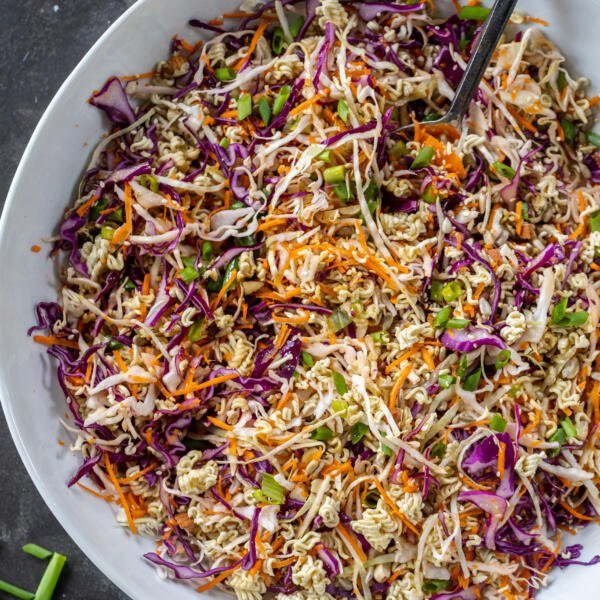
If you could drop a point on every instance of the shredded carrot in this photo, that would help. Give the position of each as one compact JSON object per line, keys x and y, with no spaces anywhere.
{"x":537,"y":20}
{"x":577,"y":232}
{"x":123,"y":232}
{"x":139,"y":474}
{"x":119,"y":360}
{"x":271,"y":223}
{"x":220,"y":424}
{"x":401,"y":358}
{"x":279,"y":564}
{"x":519,"y":217}
{"x":399,"y":383}
{"x":394,"y":508}
{"x":254,"y":42}
{"x":81,"y":210}
{"x":304,"y":105}
{"x":224,"y":289}
{"x":217,"y":579}
{"x":594,"y":100}
{"x":138,"y":76}
{"x":352,"y":542}
{"x":52,"y":340}
{"x":200,"y":386}
{"x":85,"y":488}
{"x":522,"y":121}
{"x":111,"y":475}
{"x":237,"y":15}
{"x":501,"y":459}
{"x":576,"y":513}
{"x":428,"y":358}
{"x":35,"y":248}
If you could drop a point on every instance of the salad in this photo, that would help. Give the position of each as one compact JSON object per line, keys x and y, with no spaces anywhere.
{"x":313,"y":357}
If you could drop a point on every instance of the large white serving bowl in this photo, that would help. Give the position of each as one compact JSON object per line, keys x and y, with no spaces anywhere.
{"x":43,"y":188}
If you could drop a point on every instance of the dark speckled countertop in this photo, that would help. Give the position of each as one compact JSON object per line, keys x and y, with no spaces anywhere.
{"x":41,"y":43}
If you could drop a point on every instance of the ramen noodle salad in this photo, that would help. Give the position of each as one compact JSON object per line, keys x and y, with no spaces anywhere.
{"x":314,"y":358}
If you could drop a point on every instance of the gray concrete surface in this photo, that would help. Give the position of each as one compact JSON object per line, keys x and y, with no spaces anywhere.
{"x":41,"y":42}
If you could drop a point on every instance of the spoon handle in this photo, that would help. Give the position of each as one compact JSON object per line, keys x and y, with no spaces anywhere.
{"x":480,"y":58}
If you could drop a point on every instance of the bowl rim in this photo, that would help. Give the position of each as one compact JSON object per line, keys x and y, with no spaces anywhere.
{"x":67,"y":521}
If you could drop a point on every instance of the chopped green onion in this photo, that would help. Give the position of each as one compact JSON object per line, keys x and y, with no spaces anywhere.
{"x":245,"y":241}
{"x":15,"y":591}
{"x":96,"y":209}
{"x":322,"y":434}
{"x":431,"y":117}
{"x":271,"y":489}
{"x":372,"y":191}
{"x":423,"y":158}
{"x":452,"y":291}
{"x":435,"y":290}
{"x":340,"y":383}
{"x":117,"y":215}
{"x":264,"y":110}
{"x":498,"y":423}
{"x":472,"y":381}
{"x":278,"y":40}
{"x":225,"y":74}
{"x":296,"y":26}
{"x":371,"y":498}
{"x":593,"y":138}
{"x":244,"y":106}
{"x":502,"y":359}
{"x":112,"y":345}
{"x":568,"y":427}
{"x":595,"y":221}
{"x":189,"y":261}
{"x":307,"y":360}
{"x":358,"y":432}
{"x":438,"y":450}
{"x":442,"y":317}
{"x":188,"y":274}
{"x":372,"y":206}
{"x":560,"y":437}
{"x":214,"y":285}
{"x":430,"y":586}
{"x":504,"y":170}
{"x":575,"y":319}
{"x":430,"y":195}
{"x":237,"y":204}
{"x":107,"y":233}
{"x":281,"y":99}
{"x":338,"y":406}
{"x":457,"y":323}
{"x":561,"y":81}
{"x":338,"y":320}
{"x":224,"y":143}
{"x":231,"y":267}
{"x":446,"y":380}
{"x":559,"y":311}
{"x":399,"y":150}
{"x":334,"y":174}
{"x":149,"y":181}
{"x":130,"y":285}
{"x":47,"y":584}
{"x":379,"y":337}
{"x":207,"y":250}
{"x":463,"y":365}
{"x":342,"y":192}
{"x":196,"y":331}
{"x":569,"y":130}
{"x":473,"y":13}
{"x":387,"y":451}
{"x":37,"y":551}
{"x":325,"y":156}
{"x":463,"y":43}
{"x":342,"y":110}
{"x":525,"y":211}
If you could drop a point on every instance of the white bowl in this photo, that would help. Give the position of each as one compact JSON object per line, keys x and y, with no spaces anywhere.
{"x":42,"y":189}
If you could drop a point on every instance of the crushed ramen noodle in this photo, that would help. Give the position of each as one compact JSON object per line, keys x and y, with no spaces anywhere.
{"x":315,"y":358}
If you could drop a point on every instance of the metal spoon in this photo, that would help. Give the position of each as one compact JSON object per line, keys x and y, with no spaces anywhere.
{"x":480,"y":58}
